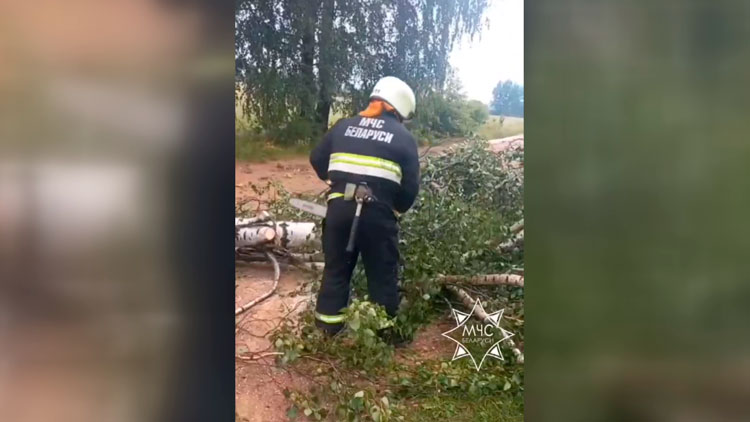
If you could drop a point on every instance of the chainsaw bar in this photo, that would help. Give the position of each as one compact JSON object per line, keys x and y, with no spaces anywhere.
{"x":308,"y":206}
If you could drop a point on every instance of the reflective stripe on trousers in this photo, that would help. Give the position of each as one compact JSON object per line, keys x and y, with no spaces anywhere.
{"x":330,"y":319}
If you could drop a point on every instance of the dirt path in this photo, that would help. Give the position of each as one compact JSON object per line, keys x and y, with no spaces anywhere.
{"x":295,"y":174}
{"x":503,"y":144}
{"x":260,"y":384}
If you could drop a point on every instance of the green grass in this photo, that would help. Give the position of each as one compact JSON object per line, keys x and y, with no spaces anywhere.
{"x":499,"y":127}
{"x":253,"y":148}
{"x":486,"y":409}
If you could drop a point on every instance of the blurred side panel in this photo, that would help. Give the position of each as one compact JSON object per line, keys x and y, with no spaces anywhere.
{"x":638,"y":199}
{"x":116,"y":206}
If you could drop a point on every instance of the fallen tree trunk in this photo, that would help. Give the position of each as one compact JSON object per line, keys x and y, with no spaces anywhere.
{"x":294,"y":234}
{"x":480,"y":313}
{"x":309,"y":257}
{"x":512,"y":244}
{"x":287,"y":234}
{"x":517,"y":227}
{"x":254,"y":236}
{"x":484,"y":280}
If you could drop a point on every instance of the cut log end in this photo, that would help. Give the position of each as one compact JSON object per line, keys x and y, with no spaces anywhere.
{"x":268,"y":233}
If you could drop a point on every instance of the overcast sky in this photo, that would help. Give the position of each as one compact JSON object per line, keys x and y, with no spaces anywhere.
{"x":497,"y":55}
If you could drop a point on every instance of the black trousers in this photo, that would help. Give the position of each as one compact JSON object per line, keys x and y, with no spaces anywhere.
{"x":377,"y":242}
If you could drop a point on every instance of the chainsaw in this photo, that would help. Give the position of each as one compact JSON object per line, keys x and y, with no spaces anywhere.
{"x":360,"y":193}
{"x":308,"y":206}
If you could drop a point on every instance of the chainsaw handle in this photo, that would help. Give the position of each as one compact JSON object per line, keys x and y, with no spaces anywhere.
{"x":353,"y":232}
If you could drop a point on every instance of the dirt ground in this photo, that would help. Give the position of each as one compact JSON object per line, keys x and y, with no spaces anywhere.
{"x":260,"y":383}
{"x":429,"y":343}
{"x":503,"y":144}
{"x":295,"y":174}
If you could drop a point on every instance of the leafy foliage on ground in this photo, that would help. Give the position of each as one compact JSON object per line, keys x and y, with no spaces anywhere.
{"x":467,"y":202}
{"x":469,"y":198}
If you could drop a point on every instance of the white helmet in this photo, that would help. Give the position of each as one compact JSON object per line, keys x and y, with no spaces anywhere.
{"x":396,"y":93}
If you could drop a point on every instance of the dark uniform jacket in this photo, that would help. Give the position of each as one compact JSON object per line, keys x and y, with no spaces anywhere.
{"x":377,"y":150}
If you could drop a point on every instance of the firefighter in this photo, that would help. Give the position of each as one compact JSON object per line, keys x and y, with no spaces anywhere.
{"x":373,"y":148}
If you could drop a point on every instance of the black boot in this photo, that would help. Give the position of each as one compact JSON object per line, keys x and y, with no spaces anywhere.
{"x":392,"y":337}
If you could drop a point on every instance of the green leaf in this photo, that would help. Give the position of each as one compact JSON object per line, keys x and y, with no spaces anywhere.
{"x":357,"y":403}
{"x":354,"y":323}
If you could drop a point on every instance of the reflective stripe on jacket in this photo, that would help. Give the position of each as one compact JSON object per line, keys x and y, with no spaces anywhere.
{"x":377,"y":150}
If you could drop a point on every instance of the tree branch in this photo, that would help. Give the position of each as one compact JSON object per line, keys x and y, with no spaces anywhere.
{"x":484,"y":280}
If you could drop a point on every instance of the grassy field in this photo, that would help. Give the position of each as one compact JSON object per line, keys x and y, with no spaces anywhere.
{"x":252,"y":147}
{"x":485,"y":409}
{"x":499,"y":127}
{"x":249,"y":147}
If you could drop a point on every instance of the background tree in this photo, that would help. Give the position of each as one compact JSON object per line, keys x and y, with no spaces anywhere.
{"x":298,"y":59}
{"x":478,"y":111}
{"x":507,"y":99}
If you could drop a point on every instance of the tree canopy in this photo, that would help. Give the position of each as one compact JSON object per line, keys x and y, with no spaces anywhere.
{"x":297,"y":59}
{"x":507,"y":99}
